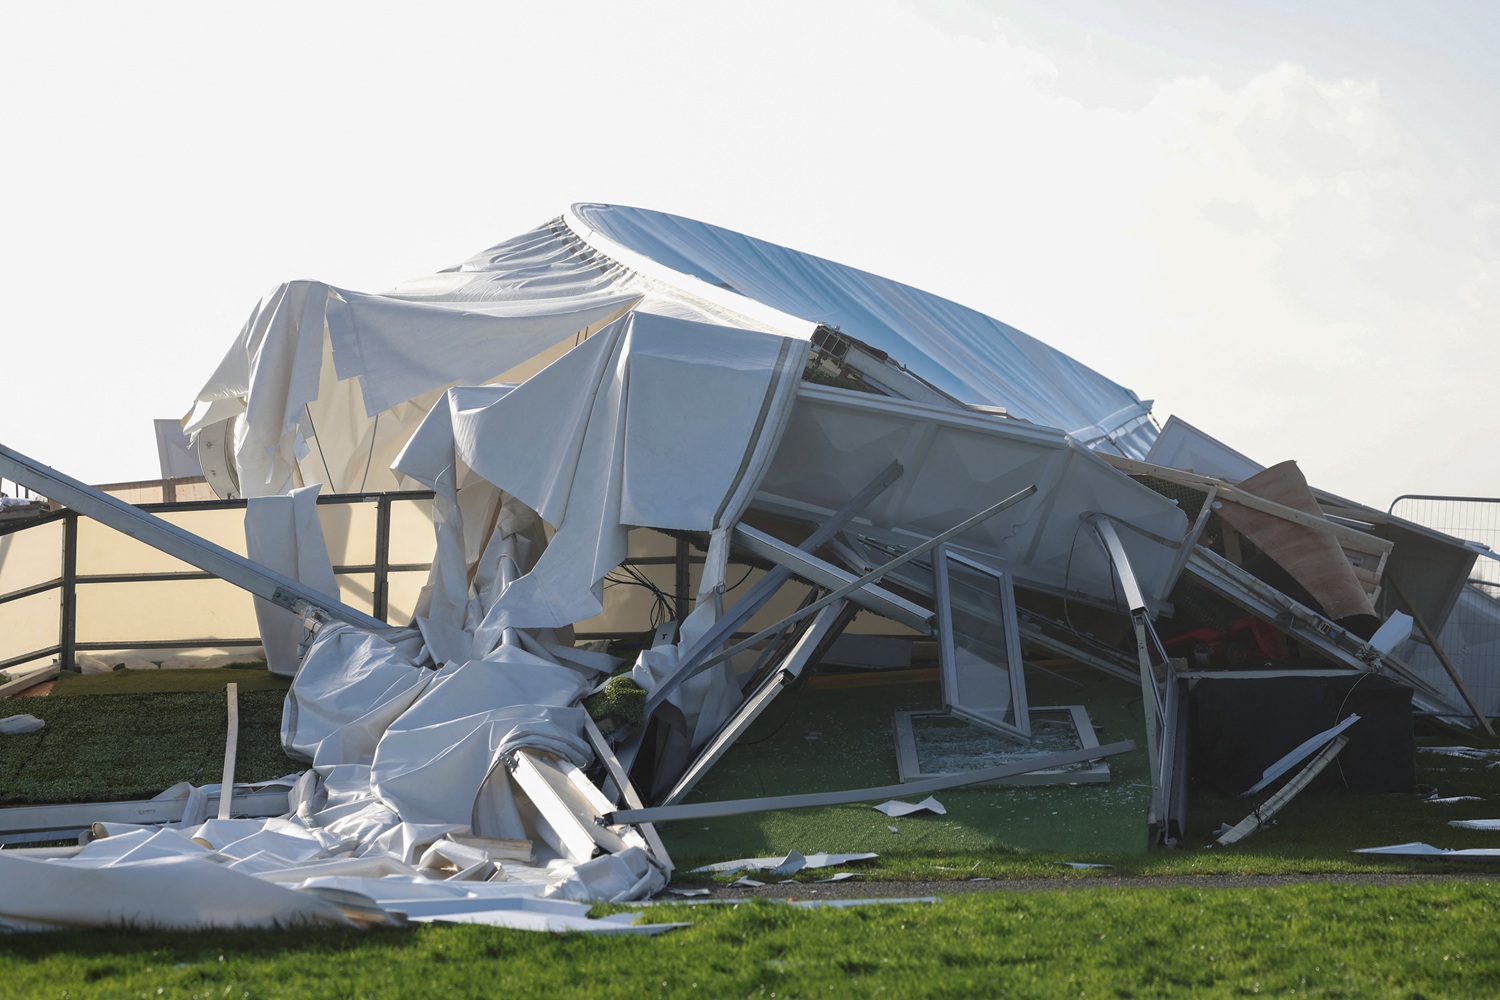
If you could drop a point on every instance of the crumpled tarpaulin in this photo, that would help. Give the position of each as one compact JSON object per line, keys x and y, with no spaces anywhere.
{"x":325,"y":384}
{"x":315,"y":362}
{"x":436,"y":749}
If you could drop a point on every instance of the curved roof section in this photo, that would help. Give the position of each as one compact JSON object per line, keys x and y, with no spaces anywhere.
{"x":967,"y":354}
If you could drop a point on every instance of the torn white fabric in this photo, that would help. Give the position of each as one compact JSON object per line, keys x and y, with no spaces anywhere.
{"x":896,"y":808}
{"x":15,"y":725}
{"x":962,"y":352}
{"x":317,"y":367}
{"x":182,"y":889}
{"x":653,"y":422}
{"x":352,"y":686}
{"x":433,"y":761}
{"x":284,"y":534}
{"x":794,"y":861}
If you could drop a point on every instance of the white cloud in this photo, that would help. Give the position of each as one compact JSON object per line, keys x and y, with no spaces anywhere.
{"x":1276,"y":256}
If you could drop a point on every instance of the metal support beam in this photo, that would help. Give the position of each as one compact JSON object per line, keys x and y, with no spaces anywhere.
{"x":830,"y":577}
{"x":878,"y":573}
{"x":1152,"y":703}
{"x":765,"y":588}
{"x":75,"y":816}
{"x":382,"y":590}
{"x":682,"y":586}
{"x":735,"y":807}
{"x":1299,"y":621}
{"x":1442,"y":655}
{"x":67,"y":599}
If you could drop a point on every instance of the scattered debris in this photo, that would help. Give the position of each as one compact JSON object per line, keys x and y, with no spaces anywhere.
{"x":1260,"y":817}
{"x":896,"y":809}
{"x":1420,"y":850}
{"x":17,"y":724}
{"x":1299,"y":753}
{"x":616,"y":378}
{"x":794,"y":862}
{"x":1475,"y":824}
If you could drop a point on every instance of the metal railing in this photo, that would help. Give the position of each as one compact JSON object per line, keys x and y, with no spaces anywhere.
{"x":56,"y":574}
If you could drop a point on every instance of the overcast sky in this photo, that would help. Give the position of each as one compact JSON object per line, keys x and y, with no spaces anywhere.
{"x":1280,"y":220}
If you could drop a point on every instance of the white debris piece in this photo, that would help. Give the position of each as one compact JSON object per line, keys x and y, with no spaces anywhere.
{"x":15,"y":725}
{"x":1417,"y":849}
{"x":896,"y":808}
{"x":794,"y":861}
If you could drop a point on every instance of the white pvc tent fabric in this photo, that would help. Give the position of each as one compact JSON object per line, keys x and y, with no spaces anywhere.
{"x":671,"y":398}
{"x":972,"y":357}
{"x":654,"y":422}
{"x":318,"y":369}
{"x":409,"y":733}
{"x":325,"y":384}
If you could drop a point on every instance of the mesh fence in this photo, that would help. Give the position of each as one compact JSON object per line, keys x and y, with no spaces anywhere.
{"x":1471,"y":635}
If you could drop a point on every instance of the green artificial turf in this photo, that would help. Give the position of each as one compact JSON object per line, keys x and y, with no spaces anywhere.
{"x":249,"y":677}
{"x":1429,"y":940}
{"x":110,"y":747}
{"x":100,"y":747}
{"x":829,"y":740}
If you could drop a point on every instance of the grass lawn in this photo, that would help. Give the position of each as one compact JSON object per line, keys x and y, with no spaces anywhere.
{"x":101,"y":743}
{"x":1430,"y":940}
{"x":132,"y":733}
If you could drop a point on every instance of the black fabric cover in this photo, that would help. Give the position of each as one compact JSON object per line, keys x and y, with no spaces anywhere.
{"x":1238,"y":728}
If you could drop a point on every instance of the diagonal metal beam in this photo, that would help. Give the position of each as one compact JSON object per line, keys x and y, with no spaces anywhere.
{"x":666,"y":687}
{"x":765,"y":588}
{"x":735,"y":807}
{"x":876,"y":574}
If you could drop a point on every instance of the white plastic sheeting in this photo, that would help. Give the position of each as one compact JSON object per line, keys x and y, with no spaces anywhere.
{"x":654,"y":422}
{"x":325,"y":384}
{"x":965,"y":353}
{"x":317,"y":367}
{"x":281,"y":873}
{"x":283,"y":533}
{"x":468,"y":726}
{"x":410,"y":783}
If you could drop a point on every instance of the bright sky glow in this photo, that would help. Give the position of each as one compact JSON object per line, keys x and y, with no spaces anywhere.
{"x":1279,"y":220}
